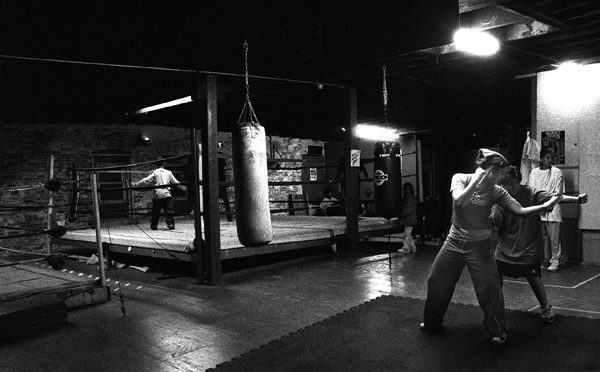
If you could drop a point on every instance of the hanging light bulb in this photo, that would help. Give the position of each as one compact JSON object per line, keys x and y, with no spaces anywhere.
{"x":476,"y":42}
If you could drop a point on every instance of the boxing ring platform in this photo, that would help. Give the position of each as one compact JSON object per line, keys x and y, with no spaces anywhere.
{"x":289,"y":233}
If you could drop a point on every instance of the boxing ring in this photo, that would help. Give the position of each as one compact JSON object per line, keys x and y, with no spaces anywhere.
{"x":85,"y":213}
{"x":207,"y":234}
{"x":289,"y":233}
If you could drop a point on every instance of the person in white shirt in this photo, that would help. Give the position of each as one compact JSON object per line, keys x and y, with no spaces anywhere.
{"x":549,"y":178}
{"x":161,"y":198}
{"x":328,"y":202}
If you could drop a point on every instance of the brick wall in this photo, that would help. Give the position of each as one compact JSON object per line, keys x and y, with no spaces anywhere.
{"x":25,"y":152}
{"x":282,"y":148}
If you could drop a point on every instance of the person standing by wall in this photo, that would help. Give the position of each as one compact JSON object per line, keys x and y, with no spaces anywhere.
{"x":161,"y":198}
{"x":468,"y":244}
{"x":408,"y":217}
{"x":520,"y":247}
{"x":549,"y":178}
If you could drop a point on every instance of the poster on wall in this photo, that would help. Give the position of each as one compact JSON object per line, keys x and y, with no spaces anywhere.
{"x":355,"y":158}
{"x":555,"y":140}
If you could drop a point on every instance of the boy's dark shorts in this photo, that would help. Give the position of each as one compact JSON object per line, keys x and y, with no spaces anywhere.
{"x":519,"y":271}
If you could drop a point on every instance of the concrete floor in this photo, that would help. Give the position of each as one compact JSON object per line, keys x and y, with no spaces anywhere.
{"x":176,"y":325}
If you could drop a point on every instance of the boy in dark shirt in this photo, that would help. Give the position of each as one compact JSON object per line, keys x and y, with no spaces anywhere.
{"x":520,"y":248}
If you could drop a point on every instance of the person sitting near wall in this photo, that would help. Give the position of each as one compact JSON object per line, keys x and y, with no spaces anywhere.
{"x":161,"y":198}
{"x":329,"y":205}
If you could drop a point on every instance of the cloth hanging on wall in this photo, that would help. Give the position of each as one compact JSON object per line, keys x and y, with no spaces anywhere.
{"x":530,"y":158}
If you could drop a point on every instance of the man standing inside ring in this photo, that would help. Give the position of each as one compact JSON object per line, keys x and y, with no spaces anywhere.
{"x":161,"y":198}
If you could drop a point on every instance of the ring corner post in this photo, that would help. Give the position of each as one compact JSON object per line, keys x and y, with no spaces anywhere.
{"x":210,"y":186}
{"x":195,"y":191}
{"x":96,"y":201}
{"x":352,"y":186}
{"x":50,"y":204}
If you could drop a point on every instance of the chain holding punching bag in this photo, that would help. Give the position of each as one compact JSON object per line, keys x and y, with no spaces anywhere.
{"x":250,"y":177}
{"x":388,"y":179}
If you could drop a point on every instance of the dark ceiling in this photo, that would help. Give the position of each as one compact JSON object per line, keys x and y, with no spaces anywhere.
{"x":95,"y":62}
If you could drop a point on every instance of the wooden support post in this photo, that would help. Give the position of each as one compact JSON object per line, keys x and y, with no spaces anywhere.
{"x":210,"y":176}
{"x":195,"y":192}
{"x":75,"y":195}
{"x":291,"y":206}
{"x":96,"y":201}
{"x":50,"y":202}
{"x":306,"y":205}
{"x":351,"y":173}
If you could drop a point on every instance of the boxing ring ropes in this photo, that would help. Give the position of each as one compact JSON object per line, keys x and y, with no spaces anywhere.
{"x":29,"y":293}
{"x":291,"y":230}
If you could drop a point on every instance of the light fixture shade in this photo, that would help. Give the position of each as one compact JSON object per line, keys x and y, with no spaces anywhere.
{"x":476,"y":42}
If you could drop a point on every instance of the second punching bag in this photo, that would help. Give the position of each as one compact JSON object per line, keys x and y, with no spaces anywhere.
{"x":251,"y":181}
{"x":388,"y":179}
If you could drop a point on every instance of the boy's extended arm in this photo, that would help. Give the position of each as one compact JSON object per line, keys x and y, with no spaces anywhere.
{"x":580,"y":199}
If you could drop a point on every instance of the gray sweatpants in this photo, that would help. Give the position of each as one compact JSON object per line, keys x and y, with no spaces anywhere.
{"x":446,"y":271}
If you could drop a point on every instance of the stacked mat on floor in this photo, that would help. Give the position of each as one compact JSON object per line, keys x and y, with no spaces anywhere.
{"x":31,"y":314}
{"x":383,"y":335}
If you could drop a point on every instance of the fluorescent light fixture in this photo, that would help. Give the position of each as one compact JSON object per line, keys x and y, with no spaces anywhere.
{"x":374,"y":132}
{"x":175,"y":102}
{"x":476,"y":42}
{"x":567,"y":66}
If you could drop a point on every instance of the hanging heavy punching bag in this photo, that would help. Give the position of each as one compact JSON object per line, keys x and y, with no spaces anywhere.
{"x":388,"y":179}
{"x":250,"y":178}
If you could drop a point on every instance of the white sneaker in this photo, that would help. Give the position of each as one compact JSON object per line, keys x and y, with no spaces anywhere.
{"x":411,"y":245}
{"x":553,"y":268}
{"x":404,"y":250}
